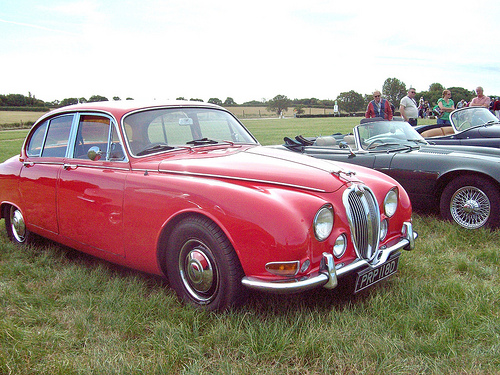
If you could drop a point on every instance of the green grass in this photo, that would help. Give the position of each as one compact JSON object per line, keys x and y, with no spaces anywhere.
{"x":11,"y":142}
{"x":63,"y":312}
{"x":272,"y":130}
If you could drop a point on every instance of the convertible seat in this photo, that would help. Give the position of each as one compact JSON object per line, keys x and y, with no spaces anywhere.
{"x":437,"y":132}
{"x":350,"y":140}
{"x":325,"y":141}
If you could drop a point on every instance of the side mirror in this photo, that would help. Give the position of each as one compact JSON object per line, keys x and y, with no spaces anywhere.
{"x":344,"y":144}
{"x":94,"y":153}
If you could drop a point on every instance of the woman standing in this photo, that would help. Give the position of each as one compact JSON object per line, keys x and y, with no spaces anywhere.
{"x":446,"y":105}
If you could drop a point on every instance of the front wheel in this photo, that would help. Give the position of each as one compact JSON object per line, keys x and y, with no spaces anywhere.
{"x":16,"y":227}
{"x":202,"y":266}
{"x":472,"y":202}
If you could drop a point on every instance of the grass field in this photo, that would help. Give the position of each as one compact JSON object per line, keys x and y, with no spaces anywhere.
{"x":19,"y":117}
{"x":62,"y":312}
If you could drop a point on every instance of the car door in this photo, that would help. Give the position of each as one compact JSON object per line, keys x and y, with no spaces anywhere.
{"x":485,"y":136}
{"x":46,"y":151}
{"x":90,"y":192}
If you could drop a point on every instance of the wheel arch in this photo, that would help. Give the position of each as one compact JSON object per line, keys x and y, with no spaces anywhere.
{"x":445,"y":179}
{"x":4,"y":206}
{"x":161,"y":246}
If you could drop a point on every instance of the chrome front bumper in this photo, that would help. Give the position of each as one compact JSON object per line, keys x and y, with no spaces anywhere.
{"x":328,"y":274}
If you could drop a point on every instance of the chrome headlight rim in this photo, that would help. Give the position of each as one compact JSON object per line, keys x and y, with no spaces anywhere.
{"x":323,"y":222}
{"x":340,"y":246}
{"x":391,"y":202}
{"x":384,"y":229}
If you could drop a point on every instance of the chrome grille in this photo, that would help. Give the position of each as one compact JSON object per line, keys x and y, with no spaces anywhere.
{"x":364,"y":220}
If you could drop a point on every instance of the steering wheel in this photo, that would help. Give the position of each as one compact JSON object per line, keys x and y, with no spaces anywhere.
{"x":464,"y":125}
{"x":371,"y":144}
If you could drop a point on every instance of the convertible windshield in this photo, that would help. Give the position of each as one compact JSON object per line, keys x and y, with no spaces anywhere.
{"x":387,"y":135}
{"x":166,"y":129}
{"x":470,"y":117}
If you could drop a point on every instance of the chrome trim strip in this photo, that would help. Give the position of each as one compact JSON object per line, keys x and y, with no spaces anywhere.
{"x":97,"y":167}
{"x":242,"y":179}
{"x":32,"y":163}
{"x":327,"y":277}
{"x":76,"y":165}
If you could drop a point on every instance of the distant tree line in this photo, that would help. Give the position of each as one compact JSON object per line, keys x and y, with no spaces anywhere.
{"x":352,"y":102}
{"x":349,"y":102}
{"x":18,"y":100}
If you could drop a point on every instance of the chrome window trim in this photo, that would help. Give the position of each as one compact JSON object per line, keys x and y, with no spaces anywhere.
{"x":112,"y":122}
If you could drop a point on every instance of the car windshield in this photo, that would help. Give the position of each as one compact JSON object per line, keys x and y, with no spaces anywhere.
{"x":470,"y":117}
{"x":165,"y":129}
{"x":387,"y":135}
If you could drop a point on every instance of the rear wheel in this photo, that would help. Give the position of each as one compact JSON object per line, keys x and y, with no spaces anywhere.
{"x":202,"y":266}
{"x":472,"y":202}
{"x":16,"y":226}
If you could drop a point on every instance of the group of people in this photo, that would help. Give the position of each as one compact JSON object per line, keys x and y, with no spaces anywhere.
{"x":409,"y":108}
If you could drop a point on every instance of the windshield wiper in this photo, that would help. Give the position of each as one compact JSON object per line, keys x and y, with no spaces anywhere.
{"x":418,"y":141}
{"x":155,"y":147}
{"x":206,"y":141}
{"x":492,"y":122}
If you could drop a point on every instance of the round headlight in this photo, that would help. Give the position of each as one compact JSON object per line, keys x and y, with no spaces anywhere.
{"x":391,"y":202}
{"x":340,"y":246}
{"x":323,"y":222}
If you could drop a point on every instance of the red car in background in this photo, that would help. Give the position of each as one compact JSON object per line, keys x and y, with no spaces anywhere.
{"x":183,"y":190}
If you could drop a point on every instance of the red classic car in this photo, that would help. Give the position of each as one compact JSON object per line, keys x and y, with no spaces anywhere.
{"x":184,"y":190}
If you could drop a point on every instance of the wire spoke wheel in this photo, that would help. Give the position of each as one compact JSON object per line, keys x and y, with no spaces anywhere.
{"x":470,"y":207}
{"x":472,"y":202}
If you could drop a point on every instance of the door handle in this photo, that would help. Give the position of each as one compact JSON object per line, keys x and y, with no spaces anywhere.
{"x":69,"y":166}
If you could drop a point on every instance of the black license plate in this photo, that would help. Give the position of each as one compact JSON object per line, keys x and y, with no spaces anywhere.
{"x":371,"y":276}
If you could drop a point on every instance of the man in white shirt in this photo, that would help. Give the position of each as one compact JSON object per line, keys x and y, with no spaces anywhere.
{"x":409,"y":108}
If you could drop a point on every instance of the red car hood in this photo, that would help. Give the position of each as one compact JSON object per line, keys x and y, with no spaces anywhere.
{"x":261,"y":164}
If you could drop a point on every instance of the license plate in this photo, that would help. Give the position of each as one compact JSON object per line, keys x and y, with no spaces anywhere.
{"x":371,"y":276}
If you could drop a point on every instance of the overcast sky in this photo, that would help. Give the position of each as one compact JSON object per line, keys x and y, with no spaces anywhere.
{"x":247,"y":50}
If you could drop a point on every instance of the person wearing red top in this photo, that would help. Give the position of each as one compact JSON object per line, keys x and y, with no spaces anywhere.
{"x":496,"y":108}
{"x":379,"y":107}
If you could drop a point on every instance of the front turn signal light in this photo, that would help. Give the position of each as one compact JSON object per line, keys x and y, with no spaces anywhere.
{"x":283,"y":268}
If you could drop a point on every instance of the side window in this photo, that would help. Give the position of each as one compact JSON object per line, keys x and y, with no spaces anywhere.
{"x":36,"y":141}
{"x":116,"y":152}
{"x":94,"y":131}
{"x":56,"y":141}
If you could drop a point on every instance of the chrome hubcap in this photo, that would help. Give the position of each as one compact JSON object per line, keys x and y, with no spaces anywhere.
{"x":17,"y":224}
{"x":470,"y":207}
{"x":198,"y":271}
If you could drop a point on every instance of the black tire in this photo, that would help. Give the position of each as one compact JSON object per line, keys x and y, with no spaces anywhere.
{"x":472,"y":202}
{"x":16,"y":227}
{"x":202,"y":266}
